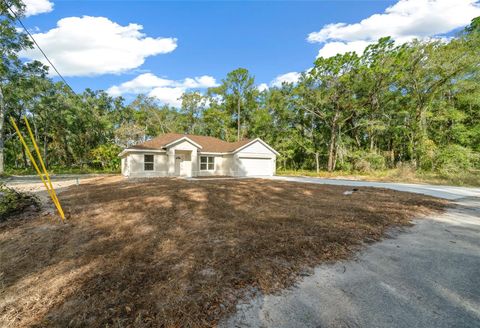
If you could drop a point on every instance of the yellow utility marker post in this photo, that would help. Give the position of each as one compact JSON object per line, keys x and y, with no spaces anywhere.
{"x":49,"y":186}
{"x":43,"y":165}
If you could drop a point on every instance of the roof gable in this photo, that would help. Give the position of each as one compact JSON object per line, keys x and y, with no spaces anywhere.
{"x":187,"y":139}
{"x":253,"y":142}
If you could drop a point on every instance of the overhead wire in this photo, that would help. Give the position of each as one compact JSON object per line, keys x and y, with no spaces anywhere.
{"x":38,"y":46}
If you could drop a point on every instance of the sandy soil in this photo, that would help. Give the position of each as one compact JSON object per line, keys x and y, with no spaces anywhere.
{"x":33,"y":185}
{"x":178,"y":253}
{"x":427,"y":277}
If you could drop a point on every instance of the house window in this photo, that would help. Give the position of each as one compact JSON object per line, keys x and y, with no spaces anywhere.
{"x":148,"y":162}
{"x":207,"y":163}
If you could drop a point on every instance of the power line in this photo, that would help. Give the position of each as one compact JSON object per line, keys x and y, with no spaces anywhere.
{"x":41,"y":50}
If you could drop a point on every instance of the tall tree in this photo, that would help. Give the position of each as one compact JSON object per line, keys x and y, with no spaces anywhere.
{"x":327,"y":94}
{"x":193,"y":105}
{"x":238,"y":91}
{"x":429,"y":70}
{"x":11,"y":42}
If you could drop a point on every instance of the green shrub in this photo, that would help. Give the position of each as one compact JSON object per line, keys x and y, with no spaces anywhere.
{"x":476,"y":160}
{"x":12,"y":202}
{"x":105,"y":157}
{"x":428,"y":153}
{"x":367,"y":161}
{"x":454,"y":159}
{"x":404,"y":170}
{"x":344,"y":166}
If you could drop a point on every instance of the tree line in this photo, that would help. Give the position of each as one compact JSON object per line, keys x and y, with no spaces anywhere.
{"x":414,"y":104}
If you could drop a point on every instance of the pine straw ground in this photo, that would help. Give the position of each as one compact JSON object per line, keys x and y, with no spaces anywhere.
{"x":176,"y":253}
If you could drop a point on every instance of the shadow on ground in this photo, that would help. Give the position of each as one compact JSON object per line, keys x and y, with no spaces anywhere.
{"x":173,"y":252}
{"x":427,"y":277}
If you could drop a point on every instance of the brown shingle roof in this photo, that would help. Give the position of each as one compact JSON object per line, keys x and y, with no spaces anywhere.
{"x":209,"y":144}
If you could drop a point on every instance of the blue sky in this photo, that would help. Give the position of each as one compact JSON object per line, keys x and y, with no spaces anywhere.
{"x":193,"y":44}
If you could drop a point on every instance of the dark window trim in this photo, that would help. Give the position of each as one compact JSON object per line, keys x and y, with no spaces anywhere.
{"x":145,"y":163}
{"x":210,"y":161}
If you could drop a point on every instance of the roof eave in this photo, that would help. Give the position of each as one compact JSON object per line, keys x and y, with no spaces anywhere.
{"x":135,"y":150}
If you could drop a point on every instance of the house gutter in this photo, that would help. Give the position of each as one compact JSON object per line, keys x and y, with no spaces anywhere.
{"x":126,"y":151}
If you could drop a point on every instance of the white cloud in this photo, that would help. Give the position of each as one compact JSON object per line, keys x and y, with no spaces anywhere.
{"x":35,"y":7}
{"x":204,"y":81}
{"x":262,"y":87}
{"x":291,"y":77}
{"x":165,"y":90}
{"x":141,"y":84}
{"x":87,"y":46}
{"x":404,"y":21}
{"x":330,"y":49}
{"x":170,"y":96}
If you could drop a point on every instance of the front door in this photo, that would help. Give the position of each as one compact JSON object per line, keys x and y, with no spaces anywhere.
{"x":179,"y":164}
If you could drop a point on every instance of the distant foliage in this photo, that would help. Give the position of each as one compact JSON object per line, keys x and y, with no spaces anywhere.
{"x":367,"y":161}
{"x":415,"y":105}
{"x":106,"y":157}
{"x":455,"y":159}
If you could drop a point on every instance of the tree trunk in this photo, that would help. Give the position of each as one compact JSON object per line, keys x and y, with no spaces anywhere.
{"x":333,"y":144}
{"x":45,"y":151}
{"x":392,"y":153}
{"x":317,"y":162}
{"x":2,"y":129}
{"x":357,"y":140}
{"x":35,"y":128}
{"x":238,"y":119}
{"x":420,"y":136}
{"x":335,"y":157}
{"x":68,"y":155}
{"x":331,"y":151}
{"x":24,"y":156}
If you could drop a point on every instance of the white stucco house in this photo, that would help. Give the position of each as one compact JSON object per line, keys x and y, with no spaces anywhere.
{"x":187,"y":155}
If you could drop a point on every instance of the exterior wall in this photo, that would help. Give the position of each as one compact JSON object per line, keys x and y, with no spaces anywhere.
{"x":164,"y":163}
{"x":136,"y":168}
{"x":223,"y":165}
{"x":229,"y":165}
{"x":124,"y":166}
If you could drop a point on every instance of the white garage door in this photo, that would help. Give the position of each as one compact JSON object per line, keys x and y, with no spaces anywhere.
{"x":255,"y":166}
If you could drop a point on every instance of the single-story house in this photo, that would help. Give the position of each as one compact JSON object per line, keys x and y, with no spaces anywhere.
{"x":188,"y":155}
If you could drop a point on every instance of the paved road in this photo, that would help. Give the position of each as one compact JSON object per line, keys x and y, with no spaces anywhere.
{"x":428,"y":276}
{"x":447,"y":192}
{"x":26,"y":179}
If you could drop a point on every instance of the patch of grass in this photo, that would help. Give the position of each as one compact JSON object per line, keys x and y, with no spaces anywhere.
{"x":166,"y":252}
{"x":470,"y":178}
{"x":13,"y":202}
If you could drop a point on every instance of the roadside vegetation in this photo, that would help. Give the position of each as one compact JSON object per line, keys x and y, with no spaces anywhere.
{"x":405,"y":175}
{"x":415,"y":105}
{"x":166,"y":252}
{"x":13,"y":202}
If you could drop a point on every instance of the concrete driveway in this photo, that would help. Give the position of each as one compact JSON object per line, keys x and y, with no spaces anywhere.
{"x":424,"y":276}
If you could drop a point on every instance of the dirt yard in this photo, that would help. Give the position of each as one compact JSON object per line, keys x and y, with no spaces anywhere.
{"x":178,"y":253}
